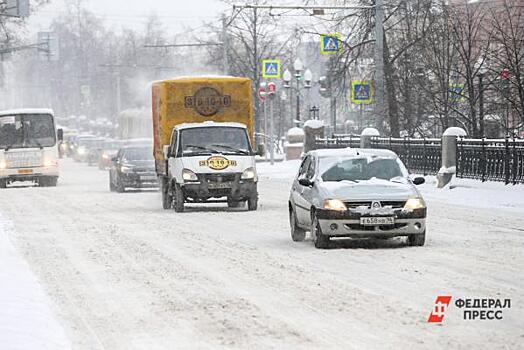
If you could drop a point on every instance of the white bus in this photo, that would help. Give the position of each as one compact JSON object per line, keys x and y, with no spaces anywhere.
{"x":28,"y":147}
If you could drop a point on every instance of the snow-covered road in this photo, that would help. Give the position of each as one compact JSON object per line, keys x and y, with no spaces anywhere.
{"x":125,"y":274}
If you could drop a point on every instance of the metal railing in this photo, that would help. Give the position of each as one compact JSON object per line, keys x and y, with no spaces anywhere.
{"x":491,"y":159}
{"x":338,"y":141}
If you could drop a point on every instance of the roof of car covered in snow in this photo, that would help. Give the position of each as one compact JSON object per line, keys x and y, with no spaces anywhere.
{"x":27,"y":111}
{"x":352,"y":152}
{"x":209,"y":124}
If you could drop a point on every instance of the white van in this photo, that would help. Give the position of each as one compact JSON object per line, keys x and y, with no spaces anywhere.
{"x":28,"y":147}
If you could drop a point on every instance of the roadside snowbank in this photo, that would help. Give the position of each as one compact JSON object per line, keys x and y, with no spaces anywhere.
{"x":26,"y":320}
{"x":462,"y":192}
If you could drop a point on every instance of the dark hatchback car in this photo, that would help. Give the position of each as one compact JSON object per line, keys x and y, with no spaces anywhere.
{"x":132,"y":167}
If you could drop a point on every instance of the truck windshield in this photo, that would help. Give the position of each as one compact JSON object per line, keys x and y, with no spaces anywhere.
{"x":27,"y":130}
{"x":230,"y":140}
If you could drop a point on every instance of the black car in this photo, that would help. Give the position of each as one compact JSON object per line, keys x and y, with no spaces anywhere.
{"x":133,"y":167}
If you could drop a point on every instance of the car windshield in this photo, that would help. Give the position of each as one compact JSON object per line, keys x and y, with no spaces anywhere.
{"x":214,"y":139}
{"x":138,"y":153}
{"x":361,"y":168}
{"x":27,"y":130}
{"x":90,"y":143}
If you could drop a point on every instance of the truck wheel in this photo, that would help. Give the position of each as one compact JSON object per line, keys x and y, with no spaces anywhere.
{"x":167,"y":198}
{"x":417,"y":240}
{"x":233,"y":204}
{"x":297,"y":234}
{"x":3,"y":183}
{"x":320,"y":240}
{"x":178,"y":199}
{"x":252,"y":203}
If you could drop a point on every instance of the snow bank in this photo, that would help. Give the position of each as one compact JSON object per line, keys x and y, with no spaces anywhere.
{"x":455,"y":131}
{"x":26,"y":320}
{"x":476,"y":194}
{"x":314,"y":124}
{"x":282,"y":170}
{"x":462,"y":192}
{"x":295,"y":132}
{"x":370,"y":132}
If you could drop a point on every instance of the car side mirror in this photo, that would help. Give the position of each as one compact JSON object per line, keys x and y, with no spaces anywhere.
{"x":305,"y":182}
{"x":60,"y":134}
{"x":419,"y":180}
{"x":261,"y":150}
{"x":114,"y":159}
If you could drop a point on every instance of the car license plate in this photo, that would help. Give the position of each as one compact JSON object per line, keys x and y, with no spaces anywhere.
{"x":218,"y":185}
{"x":148,"y":178}
{"x":25,"y":171}
{"x":372,"y":221}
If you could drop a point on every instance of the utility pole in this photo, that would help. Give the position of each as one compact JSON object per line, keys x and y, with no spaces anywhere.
{"x":379,"y":65}
{"x":225,"y":45}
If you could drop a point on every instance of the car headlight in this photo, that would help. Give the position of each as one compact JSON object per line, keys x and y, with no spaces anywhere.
{"x":334,"y":204}
{"x":414,"y":203}
{"x":105,"y":156}
{"x":249,"y":174}
{"x":81,"y":151}
{"x":189,"y":175}
{"x":49,"y":163}
{"x":126,"y":169}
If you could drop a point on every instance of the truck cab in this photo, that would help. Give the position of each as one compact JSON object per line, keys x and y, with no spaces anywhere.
{"x":28,"y":147}
{"x":210,"y":162}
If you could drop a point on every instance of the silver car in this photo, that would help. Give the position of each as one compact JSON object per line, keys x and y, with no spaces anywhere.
{"x":356,"y":193}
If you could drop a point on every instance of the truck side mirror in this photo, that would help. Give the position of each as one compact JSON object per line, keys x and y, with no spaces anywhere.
{"x":60,"y":134}
{"x":261,"y":150}
{"x":167,"y":153}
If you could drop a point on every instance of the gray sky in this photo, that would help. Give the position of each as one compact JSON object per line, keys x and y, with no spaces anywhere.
{"x":176,"y":15}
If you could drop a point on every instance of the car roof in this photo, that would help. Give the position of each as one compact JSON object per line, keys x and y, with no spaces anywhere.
{"x":352,"y":152}
{"x":27,"y":111}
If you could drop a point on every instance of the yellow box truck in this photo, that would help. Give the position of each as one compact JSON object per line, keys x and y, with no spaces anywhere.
{"x":203,"y":131}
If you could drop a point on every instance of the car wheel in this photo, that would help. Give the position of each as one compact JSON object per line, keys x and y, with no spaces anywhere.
{"x":252,"y":203}
{"x":297,"y":234}
{"x":417,"y":240}
{"x":120,"y":188}
{"x":52,"y":181}
{"x":178,"y":199}
{"x":320,"y":240}
{"x":111,"y":184}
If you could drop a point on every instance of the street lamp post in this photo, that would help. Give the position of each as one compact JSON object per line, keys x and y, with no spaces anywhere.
{"x":298,"y":67}
{"x":481,"y":72}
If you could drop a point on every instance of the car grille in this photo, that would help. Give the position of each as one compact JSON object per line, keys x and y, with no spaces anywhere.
{"x":23,"y":159}
{"x":218,"y":177}
{"x":359,"y":227}
{"x":367,"y":204}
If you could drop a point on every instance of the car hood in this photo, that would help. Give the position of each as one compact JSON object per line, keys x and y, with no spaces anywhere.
{"x":141,"y":163}
{"x":374,"y":189}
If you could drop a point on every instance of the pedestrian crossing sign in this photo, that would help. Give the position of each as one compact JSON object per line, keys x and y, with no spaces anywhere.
{"x":456,"y":92}
{"x":271,"y":69}
{"x":330,"y":44}
{"x":361,"y":92}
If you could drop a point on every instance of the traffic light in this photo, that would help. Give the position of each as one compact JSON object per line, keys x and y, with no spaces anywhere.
{"x":325,"y":86}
